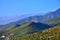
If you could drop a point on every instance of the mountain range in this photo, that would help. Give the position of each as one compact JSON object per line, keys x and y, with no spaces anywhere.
{"x":31,"y":24}
{"x":41,"y":18}
{"x":36,"y":18}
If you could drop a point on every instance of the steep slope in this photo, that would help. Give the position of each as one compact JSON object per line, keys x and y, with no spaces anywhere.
{"x":26,"y":28}
{"x":48,"y":34}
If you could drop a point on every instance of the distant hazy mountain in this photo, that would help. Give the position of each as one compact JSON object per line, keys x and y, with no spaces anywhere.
{"x":41,"y":18}
{"x":36,"y":18}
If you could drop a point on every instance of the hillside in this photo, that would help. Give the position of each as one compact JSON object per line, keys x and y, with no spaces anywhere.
{"x":25,"y":28}
{"x":48,"y":34}
{"x":34,"y":26}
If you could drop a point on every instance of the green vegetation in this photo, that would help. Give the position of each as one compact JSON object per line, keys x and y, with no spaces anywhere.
{"x":16,"y":30}
{"x":48,"y":34}
{"x":23,"y":29}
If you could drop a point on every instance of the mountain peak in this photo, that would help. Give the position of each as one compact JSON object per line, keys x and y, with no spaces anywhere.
{"x":58,"y":9}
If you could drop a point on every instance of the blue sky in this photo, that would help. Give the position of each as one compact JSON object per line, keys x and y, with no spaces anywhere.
{"x":11,"y":10}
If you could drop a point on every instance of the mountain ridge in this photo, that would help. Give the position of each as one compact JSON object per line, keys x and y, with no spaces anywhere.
{"x":36,"y":18}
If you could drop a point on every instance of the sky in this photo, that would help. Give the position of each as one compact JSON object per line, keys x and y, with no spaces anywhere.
{"x":12,"y":10}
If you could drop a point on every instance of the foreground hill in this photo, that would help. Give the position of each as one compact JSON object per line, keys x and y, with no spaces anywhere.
{"x":48,"y":34}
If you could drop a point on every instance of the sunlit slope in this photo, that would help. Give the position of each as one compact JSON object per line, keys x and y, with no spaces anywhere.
{"x":7,"y":29}
{"x":13,"y":29}
{"x":48,"y":34}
